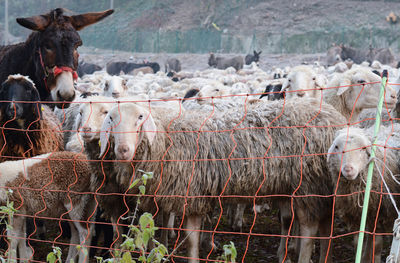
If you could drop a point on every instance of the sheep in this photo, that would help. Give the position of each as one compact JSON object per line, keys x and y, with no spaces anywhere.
{"x":223,"y":63}
{"x":51,"y":173}
{"x":114,"y":86}
{"x":303,"y":81}
{"x":348,"y":160}
{"x":273,"y":92}
{"x":252,"y":58}
{"x":29,"y":128}
{"x":149,"y":141}
{"x":344,"y":89}
{"x":143,"y":70}
{"x":85,"y":121}
{"x":344,"y":99}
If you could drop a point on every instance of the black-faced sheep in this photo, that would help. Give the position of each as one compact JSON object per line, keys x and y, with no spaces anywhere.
{"x":252,"y":58}
{"x":49,"y":185}
{"x":224,"y":63}
{"x":273,"y":92}
{"x":28,"y":128}
{"x":145,"y":139}
{"x":348,"y":160}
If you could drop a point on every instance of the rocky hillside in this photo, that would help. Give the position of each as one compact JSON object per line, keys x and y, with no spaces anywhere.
{"x":229,"y":26}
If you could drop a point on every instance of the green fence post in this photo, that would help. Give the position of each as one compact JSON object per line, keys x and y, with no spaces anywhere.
{"x":370,"y":170}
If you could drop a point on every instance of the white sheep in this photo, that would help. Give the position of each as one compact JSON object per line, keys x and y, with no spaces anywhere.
{"x":355,"y":90}
{"x":348,"y":158}
{"x":114,"y":86}
{"x":303,"y":81}
{"x":144,"y":138}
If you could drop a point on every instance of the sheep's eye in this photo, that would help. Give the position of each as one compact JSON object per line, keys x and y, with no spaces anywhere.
{"x":217,"y":90}
{"x":290,"y":80}
{"x":336,"y":147}
{"x":80,"y":113}
{"x":361,"y":81}
{"x":140,"y":116}
{"x":111,"y":119}
{"x":313,"y":78}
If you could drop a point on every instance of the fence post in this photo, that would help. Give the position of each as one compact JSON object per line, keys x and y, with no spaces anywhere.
{"x":370,"y":169}
{"x":6,"y":23}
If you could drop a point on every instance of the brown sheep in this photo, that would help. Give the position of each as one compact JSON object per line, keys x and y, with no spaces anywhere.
{"x":48,"y":185}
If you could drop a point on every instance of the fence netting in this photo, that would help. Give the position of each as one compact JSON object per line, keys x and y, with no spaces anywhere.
{"x":255,"y":172}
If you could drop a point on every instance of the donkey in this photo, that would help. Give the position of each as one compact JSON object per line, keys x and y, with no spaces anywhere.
{"x":252,"y":58}
{"x":338,"y":53}
{"x":224,"y":63}
{"x":49,"y":56}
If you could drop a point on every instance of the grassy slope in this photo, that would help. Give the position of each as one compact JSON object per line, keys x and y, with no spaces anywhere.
{"x":276,"y":26}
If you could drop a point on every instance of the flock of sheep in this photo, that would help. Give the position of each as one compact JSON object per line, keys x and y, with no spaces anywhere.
{"x":207,"y":136}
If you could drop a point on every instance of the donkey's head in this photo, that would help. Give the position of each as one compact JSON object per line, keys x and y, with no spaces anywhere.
{"x":55,"y":46}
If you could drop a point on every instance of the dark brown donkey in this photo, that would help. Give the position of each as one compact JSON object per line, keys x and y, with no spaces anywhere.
{"x":49,"y":56}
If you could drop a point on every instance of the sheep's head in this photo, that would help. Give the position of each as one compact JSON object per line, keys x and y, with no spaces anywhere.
{"x":20,"y":101}
{"x":349,"y":158}
{"x":114,"y":86}
{"x":127,"y":123}
{"x":360,"y":88}
{"x":208,"y":91}
{"x":302,"y":81}
{"x":92,"y":113}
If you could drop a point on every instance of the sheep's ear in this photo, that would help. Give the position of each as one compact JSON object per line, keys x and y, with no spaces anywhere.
{"x":259,"y":53}
{"x":344,"y":86}
{"x":124,"y":84}
{"x":285,"y":85}
{"x":150,"y":129}
{"x":321,"y":81}
{"x":105,"y":134}
{"x":37,"y":107}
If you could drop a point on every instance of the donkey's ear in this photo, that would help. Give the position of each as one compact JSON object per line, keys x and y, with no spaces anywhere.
{"x":36,"y":23}
{"x":83,"y":20}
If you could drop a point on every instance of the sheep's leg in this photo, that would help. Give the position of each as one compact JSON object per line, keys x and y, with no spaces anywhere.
{"x":369,"y":246}
{"x":169,"y":231}
{"x":17,"y":237}
{"x":84,"y":239}
{"x":378,"y":248}
{"x":170,"y":225}
{"x":238,"y":217}
{"x":307,"y":229}
{"x":24,"y":250}
{"x":285,"y":215}
{"x":193,"y":223}
{"x":325,"y":231}
{"x":74,"y":241}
